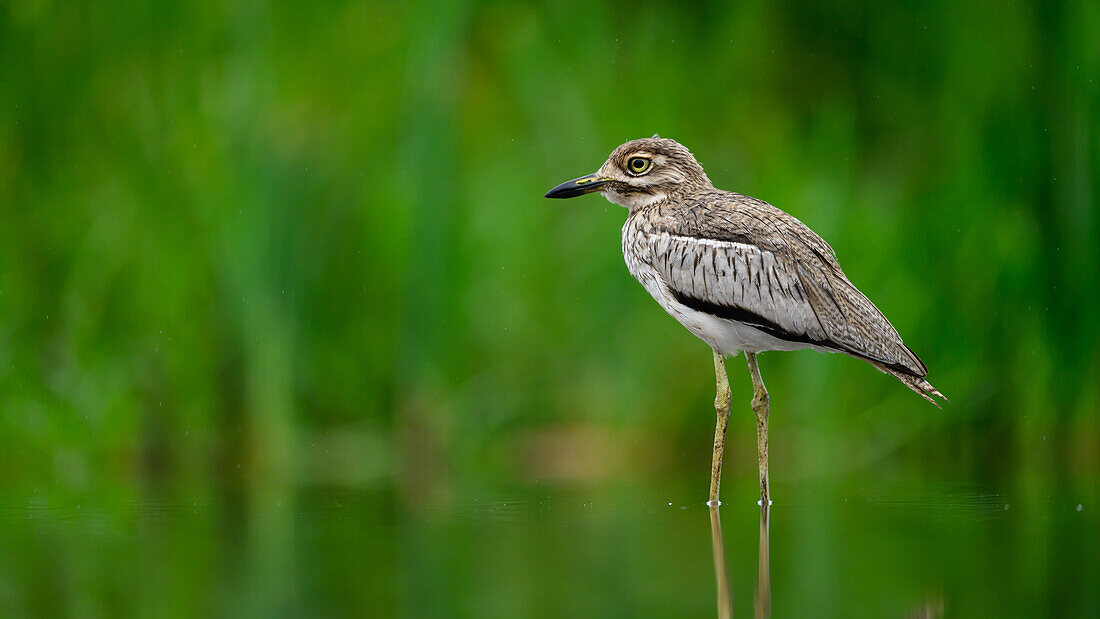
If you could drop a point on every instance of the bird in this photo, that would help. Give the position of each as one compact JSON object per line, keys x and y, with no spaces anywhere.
{"x":741,"y":275}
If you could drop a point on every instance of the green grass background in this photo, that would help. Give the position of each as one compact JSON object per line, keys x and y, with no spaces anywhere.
{"x":245,"y":243}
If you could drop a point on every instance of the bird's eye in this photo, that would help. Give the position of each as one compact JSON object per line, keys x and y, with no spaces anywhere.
{"x":638,"y":166}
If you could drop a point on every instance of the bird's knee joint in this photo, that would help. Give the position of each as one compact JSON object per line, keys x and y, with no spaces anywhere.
{"x":760,"y":400}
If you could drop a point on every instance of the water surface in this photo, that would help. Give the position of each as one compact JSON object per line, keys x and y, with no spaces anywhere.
{"x":831,"y":547}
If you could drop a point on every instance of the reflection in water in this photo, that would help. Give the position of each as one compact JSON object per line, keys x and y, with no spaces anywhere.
{"x":762,"y":600}
{"x":725,"y":600}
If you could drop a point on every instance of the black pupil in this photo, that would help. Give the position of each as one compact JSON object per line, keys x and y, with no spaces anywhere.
{"x":637,"y":164}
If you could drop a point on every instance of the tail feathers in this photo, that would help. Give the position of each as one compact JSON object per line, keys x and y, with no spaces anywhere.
{"x":922,"y":387}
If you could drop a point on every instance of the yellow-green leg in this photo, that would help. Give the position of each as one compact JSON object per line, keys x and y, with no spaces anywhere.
{"x":760,"y":407}
{"x":722,"y":407}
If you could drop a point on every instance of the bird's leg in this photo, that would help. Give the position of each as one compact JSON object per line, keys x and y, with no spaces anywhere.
{"x":722,"y":407}
{"x":760,"y":407}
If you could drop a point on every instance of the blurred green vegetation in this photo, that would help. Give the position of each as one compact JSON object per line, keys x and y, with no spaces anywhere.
{"x":229,"y":227}
{"x":249,"y":247}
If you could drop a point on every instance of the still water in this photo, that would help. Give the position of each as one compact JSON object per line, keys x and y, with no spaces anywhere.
{"x":874,"y":547}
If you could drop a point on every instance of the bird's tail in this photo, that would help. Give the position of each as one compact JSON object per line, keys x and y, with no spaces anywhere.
{"x":922,"y":387}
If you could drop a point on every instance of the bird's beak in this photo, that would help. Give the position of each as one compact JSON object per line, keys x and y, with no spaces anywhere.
{"x":577,"y":186}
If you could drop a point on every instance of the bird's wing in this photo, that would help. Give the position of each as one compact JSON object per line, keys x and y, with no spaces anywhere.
{"x":743,"y":259}
{"x":738,"y":281}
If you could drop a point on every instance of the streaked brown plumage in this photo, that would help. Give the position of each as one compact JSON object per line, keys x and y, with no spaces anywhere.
{"x":738,"y":272}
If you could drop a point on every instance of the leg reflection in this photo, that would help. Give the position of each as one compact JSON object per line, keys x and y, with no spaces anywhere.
{"x":763,"y":576}
{"x":763,"y":598}
{"x":725,"y":599}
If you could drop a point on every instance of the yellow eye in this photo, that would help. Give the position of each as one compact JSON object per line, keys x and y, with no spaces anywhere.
{"x":638,"y":166}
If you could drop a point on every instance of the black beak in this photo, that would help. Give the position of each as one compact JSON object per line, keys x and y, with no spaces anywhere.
{"x":577,"y":187}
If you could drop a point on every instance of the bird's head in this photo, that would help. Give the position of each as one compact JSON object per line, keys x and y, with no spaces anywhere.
{"x":639,"y":173}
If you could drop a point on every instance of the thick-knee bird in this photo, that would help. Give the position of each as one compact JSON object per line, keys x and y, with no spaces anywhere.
{"x":741,"y":275}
